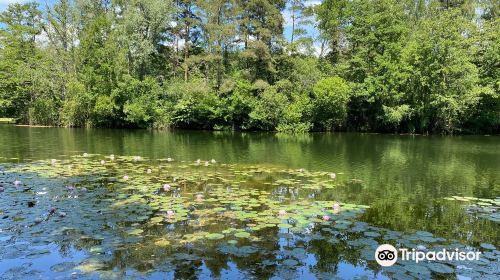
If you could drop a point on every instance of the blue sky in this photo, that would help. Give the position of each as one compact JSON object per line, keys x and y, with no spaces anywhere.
{"x":5,"y":3}
{"x":288,"y":24}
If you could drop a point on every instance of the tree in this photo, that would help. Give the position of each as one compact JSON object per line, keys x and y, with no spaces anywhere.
{"x":425,"y":66}
{"x":21,"y":25}
{"x":141,"y":30}
{"x":300,"y":16}
{"x":260,"y":25}
{"x":443,"y":84}
{"x":188,"y":24}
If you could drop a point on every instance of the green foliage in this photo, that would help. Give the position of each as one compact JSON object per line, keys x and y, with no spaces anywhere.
{"x":268,"y":109}
{"x":239,"y":104}
{"x":137,"y":100}
{"x":77,"y":106}
{"x":382,"y":65}
{"x":196,"y":106}
{"x":439,"y":58}
{"x":19,"y":26}
{"x":105,"y":109}
{"x":331,"y":96}
{"x":296,"y":115}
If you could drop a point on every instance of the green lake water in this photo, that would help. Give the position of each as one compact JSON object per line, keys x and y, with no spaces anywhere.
{"x":262,"y":209}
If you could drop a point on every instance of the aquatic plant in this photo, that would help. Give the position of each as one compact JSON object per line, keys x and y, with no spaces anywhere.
{"x":231,"y":211}
{"x":483,"y":207}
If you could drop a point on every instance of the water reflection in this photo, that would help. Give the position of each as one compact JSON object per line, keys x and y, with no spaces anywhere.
{"x":402,"y":178}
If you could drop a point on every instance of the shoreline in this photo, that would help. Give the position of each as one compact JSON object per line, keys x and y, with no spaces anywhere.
{"x":258,"y":131}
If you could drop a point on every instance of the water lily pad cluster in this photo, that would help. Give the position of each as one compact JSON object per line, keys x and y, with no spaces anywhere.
{"x":482,"y":207}
{"x":115,"y":216}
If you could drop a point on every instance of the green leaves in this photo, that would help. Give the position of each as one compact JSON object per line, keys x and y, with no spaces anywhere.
{"x":330,"y":103}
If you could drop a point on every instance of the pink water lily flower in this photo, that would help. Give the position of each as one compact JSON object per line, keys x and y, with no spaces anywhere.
{"x":326,"y":218}
{"x":170,"y":213}
{"x":17,"y":182}
{"x":125,"y":177}
{"x":336,"y":206}
{"x":166,"y":187}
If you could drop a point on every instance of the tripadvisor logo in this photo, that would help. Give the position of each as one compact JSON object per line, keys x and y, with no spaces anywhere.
{"x":387,"y":255}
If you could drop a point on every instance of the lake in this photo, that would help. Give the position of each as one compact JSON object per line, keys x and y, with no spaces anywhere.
{"x":110,"y":203}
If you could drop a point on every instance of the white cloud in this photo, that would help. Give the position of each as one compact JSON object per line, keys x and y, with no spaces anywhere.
{"x":313,"y":2}
{"x":287,"y":15}
{"x":7,"y":2}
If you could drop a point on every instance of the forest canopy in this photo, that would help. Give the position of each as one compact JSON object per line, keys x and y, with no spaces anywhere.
{"x":406,"y":66}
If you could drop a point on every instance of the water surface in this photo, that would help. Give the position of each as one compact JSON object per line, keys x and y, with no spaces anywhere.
{"x":403,"y":179}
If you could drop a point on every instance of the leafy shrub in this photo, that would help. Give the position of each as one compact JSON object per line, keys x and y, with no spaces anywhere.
{"x":196,"y":105}
{"x":269,"y":109}
{"x":138,"y":100}
{"x":238,"y":105}
{"x":43,"y":111}
{"x":76,"y":106}
{"x":296,"y":116}
{"x":331,"y":96}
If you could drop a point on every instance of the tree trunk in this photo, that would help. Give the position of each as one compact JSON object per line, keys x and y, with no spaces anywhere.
{"x":293,"y":24}
{"x":186,"y":52}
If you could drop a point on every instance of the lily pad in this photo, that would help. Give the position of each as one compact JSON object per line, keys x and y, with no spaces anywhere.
{"x":136,"y":231}
{"x":214,"y":236}
{"x":440,"y":268}
{"x":488,"y":246}
{"x":290,"y":262}
{"x":242,"y":234}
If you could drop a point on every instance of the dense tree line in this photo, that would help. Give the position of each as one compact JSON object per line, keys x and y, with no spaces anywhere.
{"x":418,"y":66}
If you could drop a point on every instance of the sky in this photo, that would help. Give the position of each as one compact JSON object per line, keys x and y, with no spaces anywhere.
{"x":5,"y":3}
{"x":288,"y":21}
